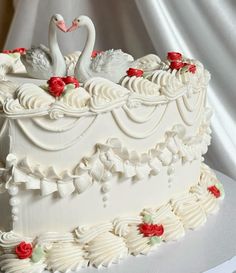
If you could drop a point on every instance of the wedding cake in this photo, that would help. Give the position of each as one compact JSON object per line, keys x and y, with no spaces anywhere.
{"x":101,"y":154}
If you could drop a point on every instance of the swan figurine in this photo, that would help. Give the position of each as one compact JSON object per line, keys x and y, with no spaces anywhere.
{"x":111,"y":64}
{"x":42,"y":62}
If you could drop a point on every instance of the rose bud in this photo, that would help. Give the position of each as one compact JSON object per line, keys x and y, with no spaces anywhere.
{"x":174,"y":56}
{"x":134,"y":72}
{"x":176,"y":65}
{"x":56,"y":86}
{"x":70,"y":79}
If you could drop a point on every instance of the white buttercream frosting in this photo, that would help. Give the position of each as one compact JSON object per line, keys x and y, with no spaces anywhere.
{"x":106,"y":249}
{"x":137,"y":243}
{"x":140,"y":86}
{"x":86,"y":234}
{"x":122,"y":225}
{"x":10,"y":263}
{"x":8,"y":240}
{"x":191,"y":213}
{"x":64,"y":257}
{"x":147,"y":63}
{"x":111,"y":158}
{"x":161,"y":83}
{"x":9,"y":63}
{"x":107,"y":243}
{"x":31,"y":96}
{"x":105,"y":93}
{"x":76,"y":98}
{"x":174,"y":228}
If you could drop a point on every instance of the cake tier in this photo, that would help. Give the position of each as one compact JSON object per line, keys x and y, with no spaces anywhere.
{"x":105,"y":243}
{"x":71,"y":164}
{"x":101,"y":149}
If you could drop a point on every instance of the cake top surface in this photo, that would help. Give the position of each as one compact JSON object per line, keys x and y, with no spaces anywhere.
{"x":151,"y":82}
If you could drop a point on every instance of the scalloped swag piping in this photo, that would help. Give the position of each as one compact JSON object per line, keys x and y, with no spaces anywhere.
{"x":55,"y":148}
{"x":65,"y":128}
{"x":200,"y":103}
{"x":111,"y":158}
{"x":138,"y":135}
{"x":109,"y":242}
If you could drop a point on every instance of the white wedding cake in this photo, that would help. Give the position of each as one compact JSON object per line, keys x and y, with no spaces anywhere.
{"x":101,"y":165}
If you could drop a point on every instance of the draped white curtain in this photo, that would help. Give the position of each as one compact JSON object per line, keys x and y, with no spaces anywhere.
{"x":205,"y":30}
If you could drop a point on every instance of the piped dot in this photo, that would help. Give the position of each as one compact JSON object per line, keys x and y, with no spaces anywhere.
{"x":14,"y":201}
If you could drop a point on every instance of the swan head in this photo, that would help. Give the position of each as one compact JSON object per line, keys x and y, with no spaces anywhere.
{"x":58,"y":20}
{"x":79,"y":22}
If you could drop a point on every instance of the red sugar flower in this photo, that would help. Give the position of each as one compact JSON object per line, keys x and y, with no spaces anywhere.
{"x":56,"y":86}
{"x":192,"y":68}
{"x":134,"y":72}
{"x":20,"y":50}
{"x":70,"y":79}
{"x":176,"y":65}
{"x":7,"y":51}
{"x":95,"y":53}
{"x":24,"y":250}
{"x":214,"y":190}
{"x":174,"y":56}
{"x":149,"y":230}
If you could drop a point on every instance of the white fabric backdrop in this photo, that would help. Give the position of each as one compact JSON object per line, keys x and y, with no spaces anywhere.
{"x":205,"y":30}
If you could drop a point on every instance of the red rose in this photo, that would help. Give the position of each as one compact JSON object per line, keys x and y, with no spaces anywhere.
{"x":176,"y":65}
{"x":214,"y":190}
{"x":7,"y":51}
{"x":56,"y":86}
{"x":95,"y":53}
{"x":134,"y":72}
{"x":23,"y":250}
{"x":20,"y":50}
{"x":70,"y":79}
{"x":149,"y":230}
{"x":192,"y":68}
{"x":174,"y":56}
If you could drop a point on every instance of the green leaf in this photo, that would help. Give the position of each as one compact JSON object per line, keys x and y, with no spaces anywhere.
{"x":69,"y":86}
{"x":155,"y":240}
{"x":147,"y":218}
{"x":38,"y":254}
{"x":184,"y":69}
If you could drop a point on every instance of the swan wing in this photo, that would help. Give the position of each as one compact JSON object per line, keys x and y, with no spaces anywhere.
{"x":37,"y":59}
{"x":109,"y":60}
{"x":44,"y":48}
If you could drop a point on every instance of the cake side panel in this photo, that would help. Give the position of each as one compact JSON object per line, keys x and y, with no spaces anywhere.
{"x":5,"y":148}
{"x":125,"y":198}
{"x":47,"y":143}
{"x":124,"y":191}
{"x":138,"y":139}
{"x":5,"y":212}
{"x":5,"y":139}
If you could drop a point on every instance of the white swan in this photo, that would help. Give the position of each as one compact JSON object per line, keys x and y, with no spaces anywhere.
{"x":43,"y":63}
{"x":110,"y":64}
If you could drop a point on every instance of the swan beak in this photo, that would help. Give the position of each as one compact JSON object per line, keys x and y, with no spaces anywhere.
{"x":74,"y":26}
{"x":62,"y":26}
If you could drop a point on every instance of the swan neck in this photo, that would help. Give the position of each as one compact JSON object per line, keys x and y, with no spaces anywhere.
{"x":57,"y":57}
{"x":89,"y":45}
